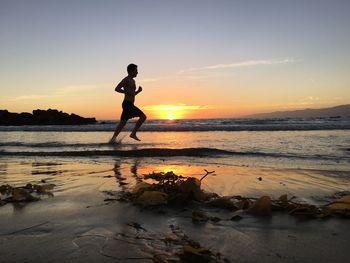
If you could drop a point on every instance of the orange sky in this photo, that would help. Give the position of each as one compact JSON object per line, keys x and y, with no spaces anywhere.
{"x":161,"y":100}
{"x":215,"y":60}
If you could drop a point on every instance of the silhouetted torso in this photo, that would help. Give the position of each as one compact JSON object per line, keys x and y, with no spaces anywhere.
{"x":130,"y":88}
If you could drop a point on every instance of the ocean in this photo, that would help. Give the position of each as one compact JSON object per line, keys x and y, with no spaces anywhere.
{"x":314,"y":152}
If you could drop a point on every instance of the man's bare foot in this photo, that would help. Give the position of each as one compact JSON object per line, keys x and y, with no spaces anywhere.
{"x":134,"y":137}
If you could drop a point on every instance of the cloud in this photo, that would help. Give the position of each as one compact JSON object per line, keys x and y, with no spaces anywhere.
{"x":246,"y":63}
{"x":313,"y":98}
{"x":146,"y":80}
{"x":29,"y":97}
{"x":64,"y":92}
{"x":79,"y":89}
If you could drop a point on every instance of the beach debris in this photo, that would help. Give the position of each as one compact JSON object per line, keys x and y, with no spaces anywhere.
{"x":168,"y":178}
{"x":42,"y":189}
{"x":20,"y":195}
{"x":340,"y":206}
{"x":152,"y":198}
{"x":192,"y":254}
{"x":200,"y":216}
{"x":192,"y":251}
{"x":175,"y":246}
{"x":243,"y":203}
{"x":223,"y":202}
{"x":283,"y":200}
{"x":168,"y":189}
{"x":28,"y":193}
{"x":306,"y":210}
{"x":207,"y":173}
{"x":140,"y":187}
{"x":234,"y":202}
{"x":191,"y":188}
{"x":261,"y":207}
{"x":180,"y":189}
{"x":283,"y":203}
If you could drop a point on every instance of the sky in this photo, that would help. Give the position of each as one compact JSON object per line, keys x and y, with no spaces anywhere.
{"x":196,"y":58}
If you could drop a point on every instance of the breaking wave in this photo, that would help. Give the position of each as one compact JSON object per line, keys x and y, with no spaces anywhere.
{"x":188,"y":125}
{"x":164,"y":152}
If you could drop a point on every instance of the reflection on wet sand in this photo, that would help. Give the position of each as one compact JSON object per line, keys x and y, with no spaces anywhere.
{"x":73,"y":177}
{"x":3,"y":171}
{"x":117,"y":173}
{"x":134,"y":169}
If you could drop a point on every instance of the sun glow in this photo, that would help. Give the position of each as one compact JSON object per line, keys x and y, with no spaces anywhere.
{"x":171,"y":112}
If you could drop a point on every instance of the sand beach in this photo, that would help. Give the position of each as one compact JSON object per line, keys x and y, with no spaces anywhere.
{"x":83,"y":220}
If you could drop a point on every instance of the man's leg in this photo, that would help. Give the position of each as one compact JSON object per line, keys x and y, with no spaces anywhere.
{"x":118,"y":130}
{"x":137,"y":127}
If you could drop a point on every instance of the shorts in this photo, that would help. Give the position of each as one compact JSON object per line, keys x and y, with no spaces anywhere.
{"x":130,"y":111}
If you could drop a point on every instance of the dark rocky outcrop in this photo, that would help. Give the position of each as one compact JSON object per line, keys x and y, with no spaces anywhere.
{"x":42,"y":117}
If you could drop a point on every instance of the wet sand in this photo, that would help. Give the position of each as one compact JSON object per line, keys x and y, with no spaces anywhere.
{"x":77,"y":225}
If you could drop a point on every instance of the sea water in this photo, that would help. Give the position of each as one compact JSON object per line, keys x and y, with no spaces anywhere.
{"x":313,"y":143}
{"x":310,"y":153}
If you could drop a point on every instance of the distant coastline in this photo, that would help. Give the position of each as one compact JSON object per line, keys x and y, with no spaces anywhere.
{"x":337,"y":111}
{"x":42,"y":117}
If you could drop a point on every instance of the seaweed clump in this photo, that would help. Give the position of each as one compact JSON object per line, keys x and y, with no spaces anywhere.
{"x":168,"y":188}
{"x":28,"y":193}
{"x":160,"y":189}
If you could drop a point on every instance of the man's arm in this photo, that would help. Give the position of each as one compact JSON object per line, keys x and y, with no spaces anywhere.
{"x":122,"y":87}
{"x":139,"y":90}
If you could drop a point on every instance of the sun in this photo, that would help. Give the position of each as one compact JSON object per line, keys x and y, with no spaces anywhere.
{"x":171,"y":117}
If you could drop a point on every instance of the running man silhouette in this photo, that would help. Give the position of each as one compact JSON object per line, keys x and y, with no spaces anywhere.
{"x":128,"y":87}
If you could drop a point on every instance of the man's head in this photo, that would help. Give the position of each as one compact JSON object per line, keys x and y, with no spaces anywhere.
{"x":132,"y":70}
